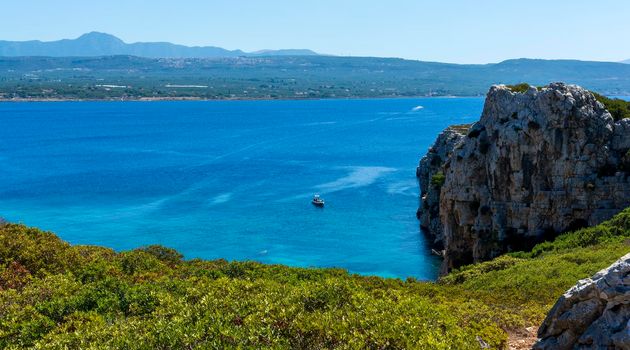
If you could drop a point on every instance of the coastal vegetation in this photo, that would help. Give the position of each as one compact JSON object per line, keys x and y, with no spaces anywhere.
{"x":618,"y":108}
{"x":54,"y":295}
{"x":283,"y":77}
{"x":522,"y":87}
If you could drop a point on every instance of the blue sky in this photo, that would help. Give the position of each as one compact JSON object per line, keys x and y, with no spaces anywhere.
{"x":460,"y":31}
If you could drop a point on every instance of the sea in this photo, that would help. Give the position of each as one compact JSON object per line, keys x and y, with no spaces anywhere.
{"x":230,"y":179}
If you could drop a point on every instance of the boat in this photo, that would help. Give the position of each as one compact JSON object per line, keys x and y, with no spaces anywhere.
{"x":317,"y":201}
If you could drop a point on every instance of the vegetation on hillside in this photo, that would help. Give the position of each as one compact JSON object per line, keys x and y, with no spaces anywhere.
{"x":57,"y":296}
{"x":618,"y":108}
{"x":299,"y":77}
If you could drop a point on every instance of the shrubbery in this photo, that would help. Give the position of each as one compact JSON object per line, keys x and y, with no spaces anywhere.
{"x":618,"y":108}
{"x":57,"y":296}
{"x":438,"y":179}
{"x":521,"y":88}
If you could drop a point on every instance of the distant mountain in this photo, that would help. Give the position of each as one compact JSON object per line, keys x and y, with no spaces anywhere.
{"x":102,"y":44}
{"x":626,"y":61}
{"x":284,"y":52}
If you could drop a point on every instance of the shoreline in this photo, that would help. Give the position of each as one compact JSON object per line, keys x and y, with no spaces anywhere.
{"x":198,"y":99}
{"x":191,"y":98}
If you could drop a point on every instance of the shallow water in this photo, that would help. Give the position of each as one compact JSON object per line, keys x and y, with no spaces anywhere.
{"x":230,"y":179}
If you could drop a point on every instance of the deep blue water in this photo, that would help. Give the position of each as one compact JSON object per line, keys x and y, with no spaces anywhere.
{"x":230,"y":179}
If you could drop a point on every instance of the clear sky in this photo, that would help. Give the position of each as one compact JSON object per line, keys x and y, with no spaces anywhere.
{"x":460,"y":31}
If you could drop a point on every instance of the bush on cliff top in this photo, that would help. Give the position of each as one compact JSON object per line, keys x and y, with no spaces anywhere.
{"x":618,"y":108}
{"x":54,"y":295}
{"x":521,"y":88}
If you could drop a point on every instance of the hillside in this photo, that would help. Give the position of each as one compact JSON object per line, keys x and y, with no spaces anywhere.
{"x":55,"y":295}
{"x":102,"y":44}
{"x":131,"y":77}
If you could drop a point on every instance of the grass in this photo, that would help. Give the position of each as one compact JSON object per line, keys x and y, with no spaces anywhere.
{"x":57,"y":296}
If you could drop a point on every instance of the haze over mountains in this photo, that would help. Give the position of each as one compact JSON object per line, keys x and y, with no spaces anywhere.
{"x":102,"y":44}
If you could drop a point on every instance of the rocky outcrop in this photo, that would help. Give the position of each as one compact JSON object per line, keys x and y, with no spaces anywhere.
{"x":536,"y":164}
{"x":594,"y":314}
{"x":430,"y":174}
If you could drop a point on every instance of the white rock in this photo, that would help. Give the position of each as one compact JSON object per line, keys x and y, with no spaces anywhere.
{"x":594,"y":314}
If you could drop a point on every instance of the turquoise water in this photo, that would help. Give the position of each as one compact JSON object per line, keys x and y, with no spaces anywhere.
{"x":230,"y":179}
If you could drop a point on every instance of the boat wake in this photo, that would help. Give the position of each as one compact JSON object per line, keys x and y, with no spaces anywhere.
{"x":357,"y":177}
{"x":405,"y":188}
{"x":222,"y":198}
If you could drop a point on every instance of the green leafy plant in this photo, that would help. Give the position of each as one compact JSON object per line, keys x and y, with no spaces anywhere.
{"x":618,"y":108}
{"x":521,"y":88}
{"x":438,"y":179}
{"x":54,"y":295}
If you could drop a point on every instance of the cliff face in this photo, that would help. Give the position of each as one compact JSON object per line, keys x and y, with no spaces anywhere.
{"x":431,"y":174}
{"x":536,"y":164}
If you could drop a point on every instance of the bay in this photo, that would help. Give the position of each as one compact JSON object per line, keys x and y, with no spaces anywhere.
{"x":230,"y":179}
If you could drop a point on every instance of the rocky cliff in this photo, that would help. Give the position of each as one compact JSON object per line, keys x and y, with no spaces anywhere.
{"x":595,"y":314}
{"x":431,"y":177}
{"x":536,"y":164}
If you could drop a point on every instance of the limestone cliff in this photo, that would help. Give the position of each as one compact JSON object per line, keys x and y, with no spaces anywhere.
{"x":536,"y":164}
{"x":431,"y":175}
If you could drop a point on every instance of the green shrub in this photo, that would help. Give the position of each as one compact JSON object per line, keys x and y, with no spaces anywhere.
{"x":438,"y":179}
{"x":139,"y":261}
{"x":53,"y":295}
{"x":618,"y":108}
{"x":520,"y":88}
{"x":166,"y":255}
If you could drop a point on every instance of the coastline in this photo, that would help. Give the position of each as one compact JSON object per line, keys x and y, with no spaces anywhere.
{"x":193,"y":98}
{"x":241,"y":98}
